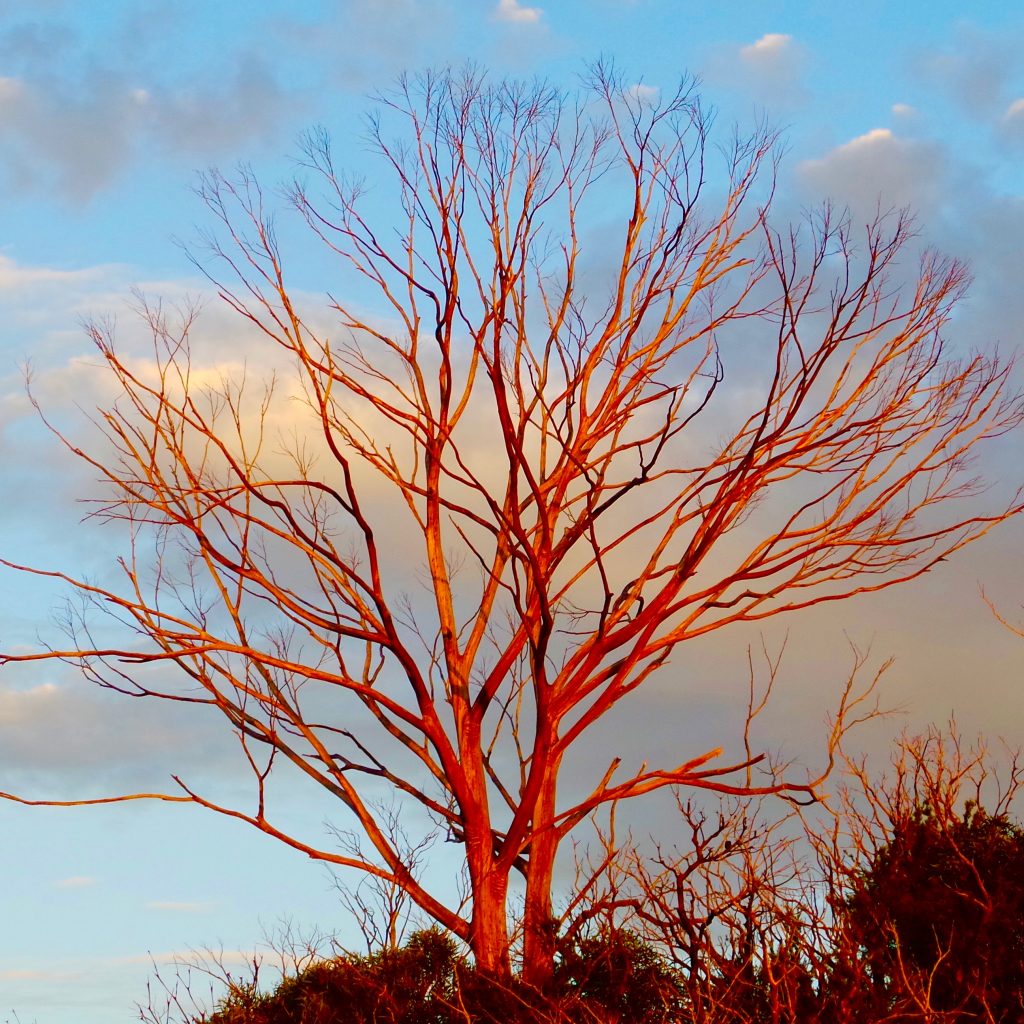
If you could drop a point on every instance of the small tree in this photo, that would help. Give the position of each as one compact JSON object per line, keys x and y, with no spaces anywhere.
{"x":928,"y":893}
{"x":943,"y":903}
{"x":563,"y":471}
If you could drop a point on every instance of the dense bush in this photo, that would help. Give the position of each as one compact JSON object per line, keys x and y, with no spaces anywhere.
{"x":940,"y":911}
{"x":600,"y":980}
{"x":622,"y":975}
{"x":412,"y":985}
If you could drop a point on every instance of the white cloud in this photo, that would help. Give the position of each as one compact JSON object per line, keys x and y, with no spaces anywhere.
{"x":903,"y":110}
{"x":879,"y":169}
{"x":512,"y":10}
{"x":643,"y":94}
{"x":75,"y":882}
{"x":770,"y":68}
{"x":1015,"y":110}
{"x":874,"y":137}
{"x":769,"y":47}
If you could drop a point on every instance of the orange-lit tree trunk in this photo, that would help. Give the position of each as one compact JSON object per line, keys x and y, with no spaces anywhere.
{"x":507,"y":480}
{"x":489,"y":929}
{"x":540,"y":927}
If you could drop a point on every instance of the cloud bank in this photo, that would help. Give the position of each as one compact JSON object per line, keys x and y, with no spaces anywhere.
{"x":76,"y":119}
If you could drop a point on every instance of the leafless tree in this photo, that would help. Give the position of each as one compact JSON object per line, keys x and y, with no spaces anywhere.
{"x":522,"y":408}
{"x":903,"y":943}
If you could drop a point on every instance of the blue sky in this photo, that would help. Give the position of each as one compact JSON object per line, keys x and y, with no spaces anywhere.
{"x":107,"y":111}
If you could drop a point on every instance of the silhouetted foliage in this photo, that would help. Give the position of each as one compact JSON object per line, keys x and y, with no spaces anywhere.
{"x":777,"y":988}
{"x":903,"y":902}
{"x":928,"y":927}
{"x":622,"y":974}
{"x":600,"y":980}
{"x":941,"y":910}
{"x":411,"y":985}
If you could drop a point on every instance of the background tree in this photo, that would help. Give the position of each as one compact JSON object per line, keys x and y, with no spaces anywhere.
{"x":943,"y":904}
{"x":530,"y":425}
{"x":927,"y":888}
{"x":733,"y":902}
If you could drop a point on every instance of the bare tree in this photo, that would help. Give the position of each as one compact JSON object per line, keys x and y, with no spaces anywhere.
{"x":531,"y":400}
{"x":381,"y":908}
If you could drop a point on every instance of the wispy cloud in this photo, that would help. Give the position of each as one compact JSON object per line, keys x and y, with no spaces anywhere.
{"x":358,"y":51}
{"x":512,"y":10}
{"x":68,"y":971}
{"x":974,"y":69}
{"x":17,"y":276}
{"x":40,"y":974}
{"x":75,"y":882}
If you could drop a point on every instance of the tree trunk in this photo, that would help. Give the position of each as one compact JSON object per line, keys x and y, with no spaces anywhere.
{"x":489,"y":936}
{"x":489,"y":940}
{"x":539,"y":926}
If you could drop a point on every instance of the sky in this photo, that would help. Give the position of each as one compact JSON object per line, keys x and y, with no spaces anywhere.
{"x":107,"y":111}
